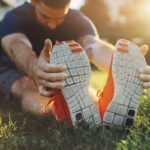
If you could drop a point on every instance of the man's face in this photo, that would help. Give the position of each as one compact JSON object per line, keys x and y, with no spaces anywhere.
{"x":49,"y":16}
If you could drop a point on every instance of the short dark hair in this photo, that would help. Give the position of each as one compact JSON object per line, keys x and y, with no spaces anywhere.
{"x":55,"y":3}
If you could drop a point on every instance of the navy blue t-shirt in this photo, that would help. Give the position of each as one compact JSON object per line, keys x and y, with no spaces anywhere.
{"x":23,"y":20}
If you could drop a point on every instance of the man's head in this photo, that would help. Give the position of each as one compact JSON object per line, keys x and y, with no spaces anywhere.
{"x":51,"y":12}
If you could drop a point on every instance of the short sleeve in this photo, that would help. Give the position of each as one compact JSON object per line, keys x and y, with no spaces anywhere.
{"x":12,"y":23}
{"x":81,"y":25}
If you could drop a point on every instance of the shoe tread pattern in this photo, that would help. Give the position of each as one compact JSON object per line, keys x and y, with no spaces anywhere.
{"x":127,"y":60}
{"x":80,"y":105}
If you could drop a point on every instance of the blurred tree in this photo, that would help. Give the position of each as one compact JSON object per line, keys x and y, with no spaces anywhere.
{"x":97,"y":11}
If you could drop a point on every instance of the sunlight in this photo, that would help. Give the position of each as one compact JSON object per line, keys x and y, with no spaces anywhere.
{"x":144,"y":10}
{"x":76,"y":4}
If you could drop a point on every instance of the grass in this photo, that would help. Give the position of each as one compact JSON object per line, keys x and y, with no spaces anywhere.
{"x":98,"y":79}
{"x":22,"y":131}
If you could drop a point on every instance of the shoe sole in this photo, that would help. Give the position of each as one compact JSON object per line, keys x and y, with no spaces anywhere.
{"x":75,"y":92}
{"x":127,"y":60}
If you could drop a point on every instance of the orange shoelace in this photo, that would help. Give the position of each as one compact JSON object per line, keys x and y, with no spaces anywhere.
{"x":47,"y":103}
{"x":59,"y":106}
{"x":100,"y":93}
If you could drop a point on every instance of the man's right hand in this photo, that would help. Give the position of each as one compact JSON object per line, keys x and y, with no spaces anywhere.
{"x":46,"y":74}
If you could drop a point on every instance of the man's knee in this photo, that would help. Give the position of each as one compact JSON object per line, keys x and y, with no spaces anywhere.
{"x":22,"y":86}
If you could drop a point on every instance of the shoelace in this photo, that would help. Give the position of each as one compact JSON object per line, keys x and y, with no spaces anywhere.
{"x":100,"y":93}
{"x":45,"y":105}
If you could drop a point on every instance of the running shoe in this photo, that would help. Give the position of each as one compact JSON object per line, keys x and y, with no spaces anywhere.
{"x":73,"y":103}
{"x":118,"y":102}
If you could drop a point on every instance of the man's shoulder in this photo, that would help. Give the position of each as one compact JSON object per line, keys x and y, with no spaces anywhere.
{"x":74,"y":13}
{"x":21,"y":11}
{"x":77,"y":16}
{"x":15,"y":20}
{"x":79,"y":25}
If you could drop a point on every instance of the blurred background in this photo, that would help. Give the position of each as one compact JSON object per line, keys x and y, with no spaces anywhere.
{"x":114,"y":19}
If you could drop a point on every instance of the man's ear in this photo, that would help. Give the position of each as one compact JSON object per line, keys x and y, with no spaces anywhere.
{"x":33,"y":2}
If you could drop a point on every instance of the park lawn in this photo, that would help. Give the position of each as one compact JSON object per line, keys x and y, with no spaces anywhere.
{"x":22,"y":131}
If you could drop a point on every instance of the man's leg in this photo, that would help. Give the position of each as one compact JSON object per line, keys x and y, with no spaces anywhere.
{"x":25,"y":90}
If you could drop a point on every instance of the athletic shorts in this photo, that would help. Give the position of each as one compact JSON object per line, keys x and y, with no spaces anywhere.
{"x":8,"y":75}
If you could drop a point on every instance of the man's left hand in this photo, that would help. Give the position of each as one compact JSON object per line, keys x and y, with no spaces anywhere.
{"x":144,"y":73}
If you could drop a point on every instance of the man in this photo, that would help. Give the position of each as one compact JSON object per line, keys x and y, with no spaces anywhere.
{"x":23,"y":65}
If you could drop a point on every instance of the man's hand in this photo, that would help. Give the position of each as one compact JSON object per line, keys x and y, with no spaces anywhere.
{"x":144,"y":73}
{"x":46,"y":74}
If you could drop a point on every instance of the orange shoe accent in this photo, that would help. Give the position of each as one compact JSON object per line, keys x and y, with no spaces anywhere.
{"x":123,"y":50}
{"x":77,"y":50}
{"x":61,"y":109}
{"x":59,"y":106}
{"x":69,"y":41}
{"x":122,"y":44}
{"x":73,"y":45}
{"x":59,"y":43}
{"x":107,"y":93}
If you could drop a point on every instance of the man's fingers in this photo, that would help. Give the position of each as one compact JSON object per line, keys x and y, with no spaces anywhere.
{"x":146,"y":85}
{"x":144,"y":92}
{"x":51,"y":85}
{"x":145,"y":70}
{"x":53,"y":77}
{"x":144,"y":49}
{"x":44,"y":92}
{"x":48,"y":45}
{"x":144,"y":77}
{"x":47,"y":49}
{"x":52,"y":68}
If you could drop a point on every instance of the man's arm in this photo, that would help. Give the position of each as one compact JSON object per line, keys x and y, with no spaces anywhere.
{"x":19,"y":49}
{"x":98,"y":51}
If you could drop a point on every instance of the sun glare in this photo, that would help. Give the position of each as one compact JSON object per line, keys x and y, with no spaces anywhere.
{"x":145,"y":10}
{"x":76,"y":4}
